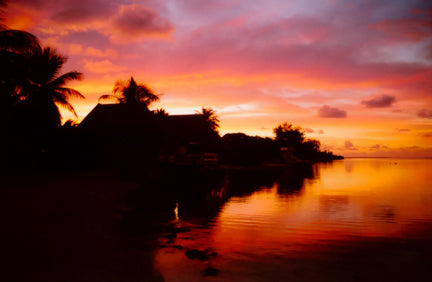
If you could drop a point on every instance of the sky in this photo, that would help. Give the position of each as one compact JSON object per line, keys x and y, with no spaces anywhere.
{"x":356,"y":75}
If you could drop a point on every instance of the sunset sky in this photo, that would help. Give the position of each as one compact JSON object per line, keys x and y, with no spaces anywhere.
{"x":356,"y":75}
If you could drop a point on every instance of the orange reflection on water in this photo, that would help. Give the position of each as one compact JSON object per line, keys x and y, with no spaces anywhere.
{"x":351,"y":198}
{"x":347,"y":203}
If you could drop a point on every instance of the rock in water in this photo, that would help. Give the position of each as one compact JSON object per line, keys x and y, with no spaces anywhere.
{"x":210,"y":271}
{"x":197,"y":254}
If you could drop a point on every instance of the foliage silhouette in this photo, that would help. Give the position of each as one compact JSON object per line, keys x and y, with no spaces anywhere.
{"x":31,"y":89}
{"x":129,"y":92}
{"x":160,"y":113}
{"x":294,"y":145}
{"x":289,"y":136}
{"x":210,"y":117}
{"x":45,"y":88}
{"x":241,"y":149}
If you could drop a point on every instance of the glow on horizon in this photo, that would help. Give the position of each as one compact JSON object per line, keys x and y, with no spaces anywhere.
{"x":258,"y":63}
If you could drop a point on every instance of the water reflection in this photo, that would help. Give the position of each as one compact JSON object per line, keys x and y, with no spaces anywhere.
{"x":350,"y":220}
{"x":333,"y":204}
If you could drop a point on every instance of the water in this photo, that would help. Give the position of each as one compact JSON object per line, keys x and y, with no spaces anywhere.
{"x":350,"y":220}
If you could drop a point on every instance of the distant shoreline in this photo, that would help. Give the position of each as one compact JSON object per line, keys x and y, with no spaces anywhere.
{"x":394,"y":158}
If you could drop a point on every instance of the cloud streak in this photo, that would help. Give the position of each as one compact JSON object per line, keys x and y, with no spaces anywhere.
{"x":425,"y":113}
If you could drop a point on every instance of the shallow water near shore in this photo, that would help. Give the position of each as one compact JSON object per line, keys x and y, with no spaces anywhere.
{"x":349,"y":220}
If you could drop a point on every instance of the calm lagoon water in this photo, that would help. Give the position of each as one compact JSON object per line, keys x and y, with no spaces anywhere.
{"x":350,"y":220}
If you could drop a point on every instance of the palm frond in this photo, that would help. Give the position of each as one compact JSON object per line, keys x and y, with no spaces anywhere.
{"x":108,"y":97}
{"x":130,"y":92}
{"x":19,"y":41}
{"x":71,"y":92}
{"x":66,"y":105}
{"x":64,"y":78}
{"x":210,"y":116}
{"x":53,"y":61}
{"x":119,"y":86}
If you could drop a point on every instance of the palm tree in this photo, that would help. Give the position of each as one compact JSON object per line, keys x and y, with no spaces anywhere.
{"x":2,"y":5}
{"x":160,"y":113}
{"x":18,"y":41}
{"x":129,"y":92}
{"x":210,"y":117}
{"x":45,"y":88}
{"x":16,"y":47}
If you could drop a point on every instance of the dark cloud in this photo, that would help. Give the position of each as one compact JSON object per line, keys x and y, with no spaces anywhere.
{"x":427,"y":134}
{"x":348,"y":145}
{"x":37,"y":3}
{"x":330,"y":112}
{"x":90,"y":37}
{"x":425,"y":113}
{"x":407,"y":29}
{"x":403,"y":129}
{"x":375,"y":147}
{"x":382,"y":101}
{"x":73,"y":15}
{"x":135,"y":20}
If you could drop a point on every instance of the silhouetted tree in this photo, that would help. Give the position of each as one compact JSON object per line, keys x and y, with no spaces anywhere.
{"x":289,"y":136}
{"x":211,"y":118}
{"x":129,"y":92}
{"x":2,"y":6}
{"x":160,"y":113}
{"x":45,"y":88}
{"x":309,"y":149}
{"x":241,"y":149}
{"x":16,"y":47}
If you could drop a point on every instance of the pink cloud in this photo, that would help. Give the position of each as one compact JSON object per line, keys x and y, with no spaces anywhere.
{"x":425,"y":113}
{"x":73,"y":15}
{"x":136,"y":21}
{"x":331,"y":112}
{"x":405,"y":29}
{"x":94,"y":52}
{"x":382,"y":101}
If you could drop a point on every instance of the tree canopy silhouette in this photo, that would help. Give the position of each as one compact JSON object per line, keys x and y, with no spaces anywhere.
{"x":160,"y":112}
{"x":129,"y":92}
{"x":288,"y":136}
{"x":45,"y":87}
{"x":30,"y":79}
{"x":210,"y":117}
{"x":16,"y":47}
{"x":31,"y":90}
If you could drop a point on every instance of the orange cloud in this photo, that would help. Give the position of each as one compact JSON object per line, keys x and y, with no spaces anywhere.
{"x":104,"y":66}
{"x":94,"y":52}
